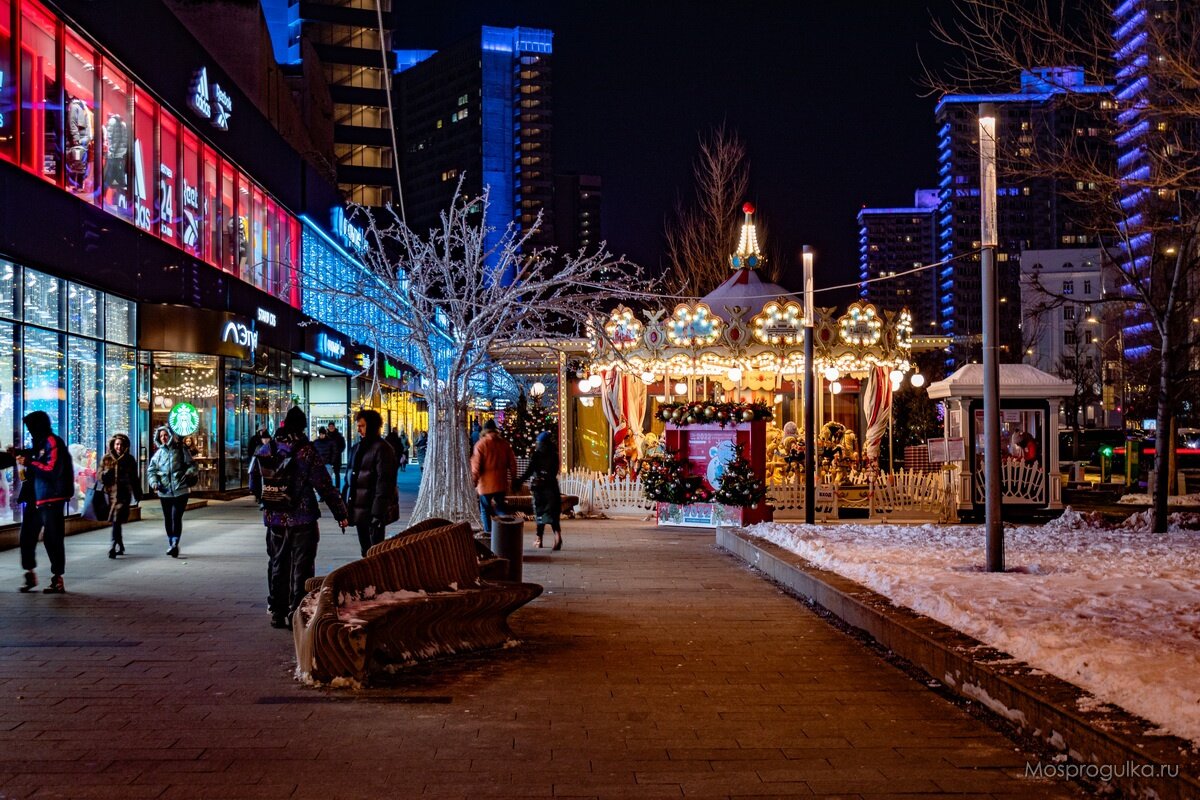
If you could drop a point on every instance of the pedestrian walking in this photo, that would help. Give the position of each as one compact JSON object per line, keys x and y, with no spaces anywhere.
{"x":287,"y":476}
{"x":121,"y":482}
{"x":419,"y":447}
{"x":493,"y":468}
{"x":47,"y":483}
{"x":372,"y":499}
{"x":324,"y":447}
{"x":542,"y":474}
{"x":262,"y":447}
{"x":339,"y":447}
{"x":171,"y":474}
{"x":402,"y":453}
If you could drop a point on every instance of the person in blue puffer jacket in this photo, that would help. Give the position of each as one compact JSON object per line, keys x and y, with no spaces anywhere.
{"x":171,"y":474}
{"x":48,"y":484}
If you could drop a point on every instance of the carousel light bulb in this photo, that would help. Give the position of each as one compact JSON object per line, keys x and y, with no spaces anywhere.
{"x":835,"y":388}
{"x":647,"y":378}
{"x":585,"y":385}
{"x":918,"y":380}
{"x":778,"y":399}
{"x":681,"y":388}
{"x":735,"y":374}
{"x":896,"y":376}
{"x":832,"y":374}
{"x":538,"y":389}
{"x":662,"y":398}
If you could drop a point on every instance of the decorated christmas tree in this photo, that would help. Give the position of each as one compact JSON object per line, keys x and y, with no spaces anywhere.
{"x":739,"y":485}
{"x":525,"y":421}
{"x":664,"y":480}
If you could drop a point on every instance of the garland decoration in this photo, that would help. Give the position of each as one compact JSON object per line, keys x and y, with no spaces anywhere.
{"x":664,"y":480}
{"x":700,"y":412}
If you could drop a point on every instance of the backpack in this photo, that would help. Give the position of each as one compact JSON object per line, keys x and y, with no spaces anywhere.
{"x":278,"y":473}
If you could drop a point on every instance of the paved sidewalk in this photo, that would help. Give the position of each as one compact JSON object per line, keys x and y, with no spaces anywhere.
{"x":654,"y":666}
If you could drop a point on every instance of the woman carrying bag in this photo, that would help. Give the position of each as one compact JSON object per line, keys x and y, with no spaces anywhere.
{"x":171,"y":474}
{"x":542,"y":473}
{"x":119,"y":476}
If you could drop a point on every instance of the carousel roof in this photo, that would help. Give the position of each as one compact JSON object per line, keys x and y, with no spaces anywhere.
{"x":1016,"y":380}
{"x":744,"y":288}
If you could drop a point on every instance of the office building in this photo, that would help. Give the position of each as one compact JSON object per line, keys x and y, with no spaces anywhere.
{"x":480,"y":112}
{"x":1032,"y":211}
{"x":577,"y":200}
{"x":892,"y":243}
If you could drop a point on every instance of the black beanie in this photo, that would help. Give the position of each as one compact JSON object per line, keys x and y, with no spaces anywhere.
{"x":38,"y":424}
{"x":296,"y":421}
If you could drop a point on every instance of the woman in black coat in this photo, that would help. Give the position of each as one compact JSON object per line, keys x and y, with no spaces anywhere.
{"x":119,"y":476}
{"x":542,"y":473}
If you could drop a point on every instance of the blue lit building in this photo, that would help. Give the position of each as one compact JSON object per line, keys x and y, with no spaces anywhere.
{"x":479,"y":110}
{"x":1032,"y":211}
{"x":893,"y":241}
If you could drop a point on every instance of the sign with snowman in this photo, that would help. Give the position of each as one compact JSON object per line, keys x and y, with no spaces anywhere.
{"x":709,"y":450}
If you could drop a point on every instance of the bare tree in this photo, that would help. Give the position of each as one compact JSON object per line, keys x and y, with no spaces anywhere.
{"x":451,"y":299}
{"x":701,"y":236}
{"x":1143,"y":209}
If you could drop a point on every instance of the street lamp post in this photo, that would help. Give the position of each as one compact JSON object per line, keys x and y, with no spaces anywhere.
{"x":989,"y":239}
{"x":810,"y":421}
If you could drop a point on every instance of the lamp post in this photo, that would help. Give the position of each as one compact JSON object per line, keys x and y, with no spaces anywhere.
{"x":809,"y":389}
{"x":989,"y":239}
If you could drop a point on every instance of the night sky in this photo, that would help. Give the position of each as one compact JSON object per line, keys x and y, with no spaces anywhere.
{"x":827,"y":96}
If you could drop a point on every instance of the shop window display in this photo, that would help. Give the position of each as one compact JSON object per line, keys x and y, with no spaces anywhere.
{"x":119,"y":320}
{"x":44,"y":299}
{"x":116,"y":113}
{"x":10,"y":283}
{"x":8,"y":94}
{"x":227,"y":223}
{"x":83,"y":432}
{"x":41,"y":106}
{"x":43,"y":361}
{"x":83,"y":305}
{"x":189,"y":198}
{"x":212,"y":208}
{"x":168,"y":181}
{"x":182,"y":378}
{"x":79,"y":126}
{"x":119,"y":370}
{"x":8,"y":421}
{"x":145,"y":118}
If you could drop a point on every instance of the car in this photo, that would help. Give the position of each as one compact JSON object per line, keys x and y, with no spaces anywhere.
{"x":1092,"y":442}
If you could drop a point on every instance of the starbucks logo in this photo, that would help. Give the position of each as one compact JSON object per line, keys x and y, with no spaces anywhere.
{"x":184,"y":419}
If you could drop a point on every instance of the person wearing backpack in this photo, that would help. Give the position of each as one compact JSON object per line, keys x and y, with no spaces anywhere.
{"x":286,"y":476}
{"x":372,"y":497}
{"x":171,"y":474}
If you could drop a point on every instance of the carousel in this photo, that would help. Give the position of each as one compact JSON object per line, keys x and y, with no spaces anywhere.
{"x":743,"y":343}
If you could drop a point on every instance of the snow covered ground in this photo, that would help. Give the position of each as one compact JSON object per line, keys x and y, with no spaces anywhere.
{"x":1115,"y":611}
{"x":1173,"y":500}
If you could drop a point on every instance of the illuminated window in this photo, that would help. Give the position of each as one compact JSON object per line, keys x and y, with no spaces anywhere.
{"x":41,"y":105}
{"x":116,"y":135}
{"x":79,"y":125}
{"x":142,"y":183}
{"x":168,"y":177}
{"x":1068,"y":287}
{"x":8,"y":94}
{"x":188,"y":202}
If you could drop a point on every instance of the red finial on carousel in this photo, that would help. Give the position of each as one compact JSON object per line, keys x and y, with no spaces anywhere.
{"x":748,"y":208}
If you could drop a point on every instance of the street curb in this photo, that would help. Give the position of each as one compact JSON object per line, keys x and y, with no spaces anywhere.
{"x":1041,"y":705}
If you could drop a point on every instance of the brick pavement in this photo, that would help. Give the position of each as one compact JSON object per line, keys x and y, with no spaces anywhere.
{"x":653,"y":666}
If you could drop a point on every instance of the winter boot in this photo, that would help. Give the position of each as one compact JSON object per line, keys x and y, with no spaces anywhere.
{"x":173,"y":552}
{"x":56,"y":586}
{"x":30,"y":581}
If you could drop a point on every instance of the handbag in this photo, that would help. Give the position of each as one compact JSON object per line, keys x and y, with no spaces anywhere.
{"x":95,"y":505}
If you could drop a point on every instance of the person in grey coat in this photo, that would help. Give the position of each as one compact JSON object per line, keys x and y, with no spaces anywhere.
{"x":171,"y":474}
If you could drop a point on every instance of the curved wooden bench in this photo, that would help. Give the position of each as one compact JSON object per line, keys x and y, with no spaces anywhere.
{"x":491,"y":566}
{"x":523,"y":502}
{"x":417,"y":599}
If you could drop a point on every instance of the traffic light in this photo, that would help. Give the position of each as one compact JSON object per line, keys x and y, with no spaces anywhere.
{"x":1106,"y":454}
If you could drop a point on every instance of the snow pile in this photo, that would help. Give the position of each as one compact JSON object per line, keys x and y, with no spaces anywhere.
{"x":1114,"y":610}
{"x":1173,"y":500}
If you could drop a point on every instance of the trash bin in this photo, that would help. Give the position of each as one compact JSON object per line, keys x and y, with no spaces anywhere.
{"x":507,"y":542}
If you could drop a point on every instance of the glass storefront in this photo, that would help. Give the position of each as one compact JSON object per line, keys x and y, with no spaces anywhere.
{"x":65,"y":349}
{"x":323,"y":394}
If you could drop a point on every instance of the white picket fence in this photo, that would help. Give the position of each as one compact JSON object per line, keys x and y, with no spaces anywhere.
{"x":912,"y":495}
{"x":601,"y":494}
{"x":1023,"y":482}
{"x":788,"y":500}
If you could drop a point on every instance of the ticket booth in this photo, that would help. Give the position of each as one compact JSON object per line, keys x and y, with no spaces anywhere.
{"x":1029,"y":406}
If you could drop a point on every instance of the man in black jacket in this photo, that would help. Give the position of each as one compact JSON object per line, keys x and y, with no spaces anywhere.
{"x":48,"y":485}
{"x":339,"y":447}
{"x":372,"y":498}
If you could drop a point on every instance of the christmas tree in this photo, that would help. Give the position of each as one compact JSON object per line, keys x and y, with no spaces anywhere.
{"x":525,"y":421}
{"x":739,"y":485}
{"x":664,"y":480}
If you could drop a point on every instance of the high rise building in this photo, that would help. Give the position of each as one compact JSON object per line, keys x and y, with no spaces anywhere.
{"x":893,"y":242}
{"x":1032,"y":211}
{"x":479,"y":111}
{"x":352,"y":41}
{"x":577,"y":201}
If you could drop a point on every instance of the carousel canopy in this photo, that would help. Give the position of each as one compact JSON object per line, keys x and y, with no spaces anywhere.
{"x":1016,"y":380}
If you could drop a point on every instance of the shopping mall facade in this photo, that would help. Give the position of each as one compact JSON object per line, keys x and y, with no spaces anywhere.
{"x":153,"y":243}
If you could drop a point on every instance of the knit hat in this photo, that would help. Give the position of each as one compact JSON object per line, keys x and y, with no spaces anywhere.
{"x":490,"y":425}
{"x":296,"y":421}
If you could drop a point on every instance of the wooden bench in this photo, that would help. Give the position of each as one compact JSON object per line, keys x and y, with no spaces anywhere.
{"x":522,"y":501}
{"x":420,"y":598}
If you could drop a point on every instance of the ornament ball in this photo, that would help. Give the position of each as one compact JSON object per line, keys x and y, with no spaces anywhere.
{"x":747,"y":415}
{"x":690,"y":419}
{"x":710,"y":412}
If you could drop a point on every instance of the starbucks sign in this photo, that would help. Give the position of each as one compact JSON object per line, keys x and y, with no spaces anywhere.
{"x":184,"y":419}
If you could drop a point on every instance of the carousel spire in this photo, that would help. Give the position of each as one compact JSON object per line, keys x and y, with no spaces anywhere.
{"x":747,"y":255}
